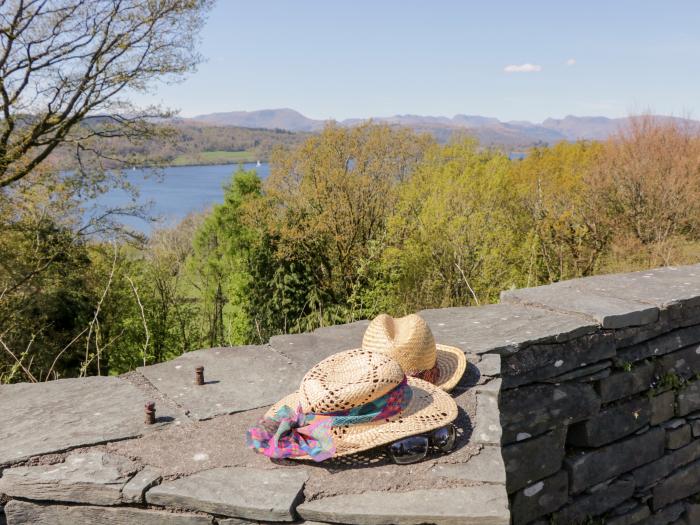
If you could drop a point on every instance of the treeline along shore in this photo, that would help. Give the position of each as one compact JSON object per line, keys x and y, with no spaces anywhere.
{"x":352,"y":221}
{"x":183,"y":143}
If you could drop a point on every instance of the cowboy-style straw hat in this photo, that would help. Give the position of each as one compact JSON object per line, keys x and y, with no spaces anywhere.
{"x":350,"y":402}
{"x":410,"y":342}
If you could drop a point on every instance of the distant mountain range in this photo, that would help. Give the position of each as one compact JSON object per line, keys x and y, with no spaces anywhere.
{"x":489,"y":131}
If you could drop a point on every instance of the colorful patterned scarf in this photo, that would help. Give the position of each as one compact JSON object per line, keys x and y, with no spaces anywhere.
{"x":291,"y":433}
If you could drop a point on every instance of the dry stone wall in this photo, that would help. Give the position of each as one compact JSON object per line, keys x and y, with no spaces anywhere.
{"x":580,"y":405}
{"x":604,"y":427}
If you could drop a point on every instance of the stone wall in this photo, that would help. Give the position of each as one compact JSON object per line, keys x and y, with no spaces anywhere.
{"x":581,"y":404}
{"x":604,"y":426}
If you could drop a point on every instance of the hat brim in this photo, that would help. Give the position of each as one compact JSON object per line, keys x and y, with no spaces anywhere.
{"x":430,"y":408}
{"x":451,"y":363}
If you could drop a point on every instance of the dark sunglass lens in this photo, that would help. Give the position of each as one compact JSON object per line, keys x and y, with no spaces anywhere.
{"x":444,"y":438}
{"x":409,"y":450}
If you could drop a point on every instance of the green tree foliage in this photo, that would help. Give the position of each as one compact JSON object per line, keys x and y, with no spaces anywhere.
{"x":328,"y":204}
{"x":353,"y":222}
{"x":566,"y":234}
{"x":223,"y":248}
{"x":69,"y":305}
{"x":154,"y":277}
{"x":455,"y":238}
{"x":64,"y":66}
{"x":45,"y":297}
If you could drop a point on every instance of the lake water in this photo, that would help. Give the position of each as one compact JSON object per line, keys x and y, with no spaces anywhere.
{"x":174,"y":192}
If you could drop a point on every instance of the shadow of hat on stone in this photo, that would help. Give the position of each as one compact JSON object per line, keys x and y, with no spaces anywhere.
{"x":410,"y":341}
{"x":350,"y":402}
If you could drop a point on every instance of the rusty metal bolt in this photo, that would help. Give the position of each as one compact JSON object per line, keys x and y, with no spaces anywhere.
{"x":150,"y":413}
{"x":199,"y":375}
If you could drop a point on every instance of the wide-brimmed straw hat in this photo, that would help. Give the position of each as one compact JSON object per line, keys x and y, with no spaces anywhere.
{"x":350,"y":402}
{"x":410,"y":342}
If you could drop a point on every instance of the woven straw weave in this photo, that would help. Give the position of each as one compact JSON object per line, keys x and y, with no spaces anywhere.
{"x":410,"y":341}
{"x":354,"y":377}
{"x":347,"y":380}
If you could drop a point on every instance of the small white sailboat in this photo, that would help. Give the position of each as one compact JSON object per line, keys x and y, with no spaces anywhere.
{"x":258,"y":164}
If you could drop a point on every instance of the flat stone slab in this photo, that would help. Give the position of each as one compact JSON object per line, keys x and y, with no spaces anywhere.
{"x":635,"y":515}
{"x":688,"y":399}
{"x":480,"y":505}
{"x":487,"y":427}
{"x":626,"y":383}
{"x":197,"y":446}
{"x":667,"y":516}
{"x":94,"y":478}
{"x":534,"y":409}
{"x":610,"y":424}
{"x":581,"y":296}
{"x":240,"y":492}
{"x":589,"y":468}
{"x":660,"y":287}
{"x":134,"y":490}
{"x":24,"y":512}
{"x":499,"y":328}
{"x":667,"y":343}
{"x":41,"y":418}
{"x":489,"y":365}
{"x":681,"y":484}
{"x":540,"y":498}
{"x":618,"y":300}
{"x":533,"y":459}
{"x":503,"y":328}
{"x":236,"y":521}
{"x":651,"y":473}
{"x":596,"y":503}
{"x":236,"y":379}
{"x":485,"y":467}
{"x":306,"y":350}
{"x":541,"y":362}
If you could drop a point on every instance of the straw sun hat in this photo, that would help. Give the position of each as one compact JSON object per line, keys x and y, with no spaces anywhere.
{"x":352,"y":401}
{"x":410,"y":342}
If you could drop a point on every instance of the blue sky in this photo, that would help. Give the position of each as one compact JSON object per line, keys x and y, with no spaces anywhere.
{"x":361,"y":58}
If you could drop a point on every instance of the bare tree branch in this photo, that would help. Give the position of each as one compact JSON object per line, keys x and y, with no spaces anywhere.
{"x":91,"y":326}
{"x":65,"y":61}
{"x":143,"y":319}
{"x":19,"y":361}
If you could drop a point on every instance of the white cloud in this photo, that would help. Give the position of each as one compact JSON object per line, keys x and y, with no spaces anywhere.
{"x":570,"y":62}
{"x":522,"y":68}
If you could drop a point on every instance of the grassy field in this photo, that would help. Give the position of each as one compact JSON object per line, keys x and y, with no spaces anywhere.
{"x":214,"y":157}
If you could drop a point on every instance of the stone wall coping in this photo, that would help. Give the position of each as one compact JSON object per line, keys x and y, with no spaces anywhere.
{"x":619,"y":300}
{"x":480,"y":505}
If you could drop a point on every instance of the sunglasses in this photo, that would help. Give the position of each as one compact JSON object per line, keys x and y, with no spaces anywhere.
{"x":415,"y":448}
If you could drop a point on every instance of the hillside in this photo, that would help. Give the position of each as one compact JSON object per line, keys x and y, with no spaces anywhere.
{"x":488,"y":130}
{"x":190,"y":143}
{"x":242,"y":136}
{"x":284,"y":118}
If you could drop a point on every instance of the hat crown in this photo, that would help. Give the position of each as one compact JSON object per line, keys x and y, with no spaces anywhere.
{"x":407,"y":339}
{"x":347,"y":380}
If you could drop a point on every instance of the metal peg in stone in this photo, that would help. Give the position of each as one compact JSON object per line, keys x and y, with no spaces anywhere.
{"x":199,"y":375}
{"x":150,"y":413}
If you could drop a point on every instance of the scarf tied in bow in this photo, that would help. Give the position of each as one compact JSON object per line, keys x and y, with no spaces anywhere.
{"x":292,"y":433}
